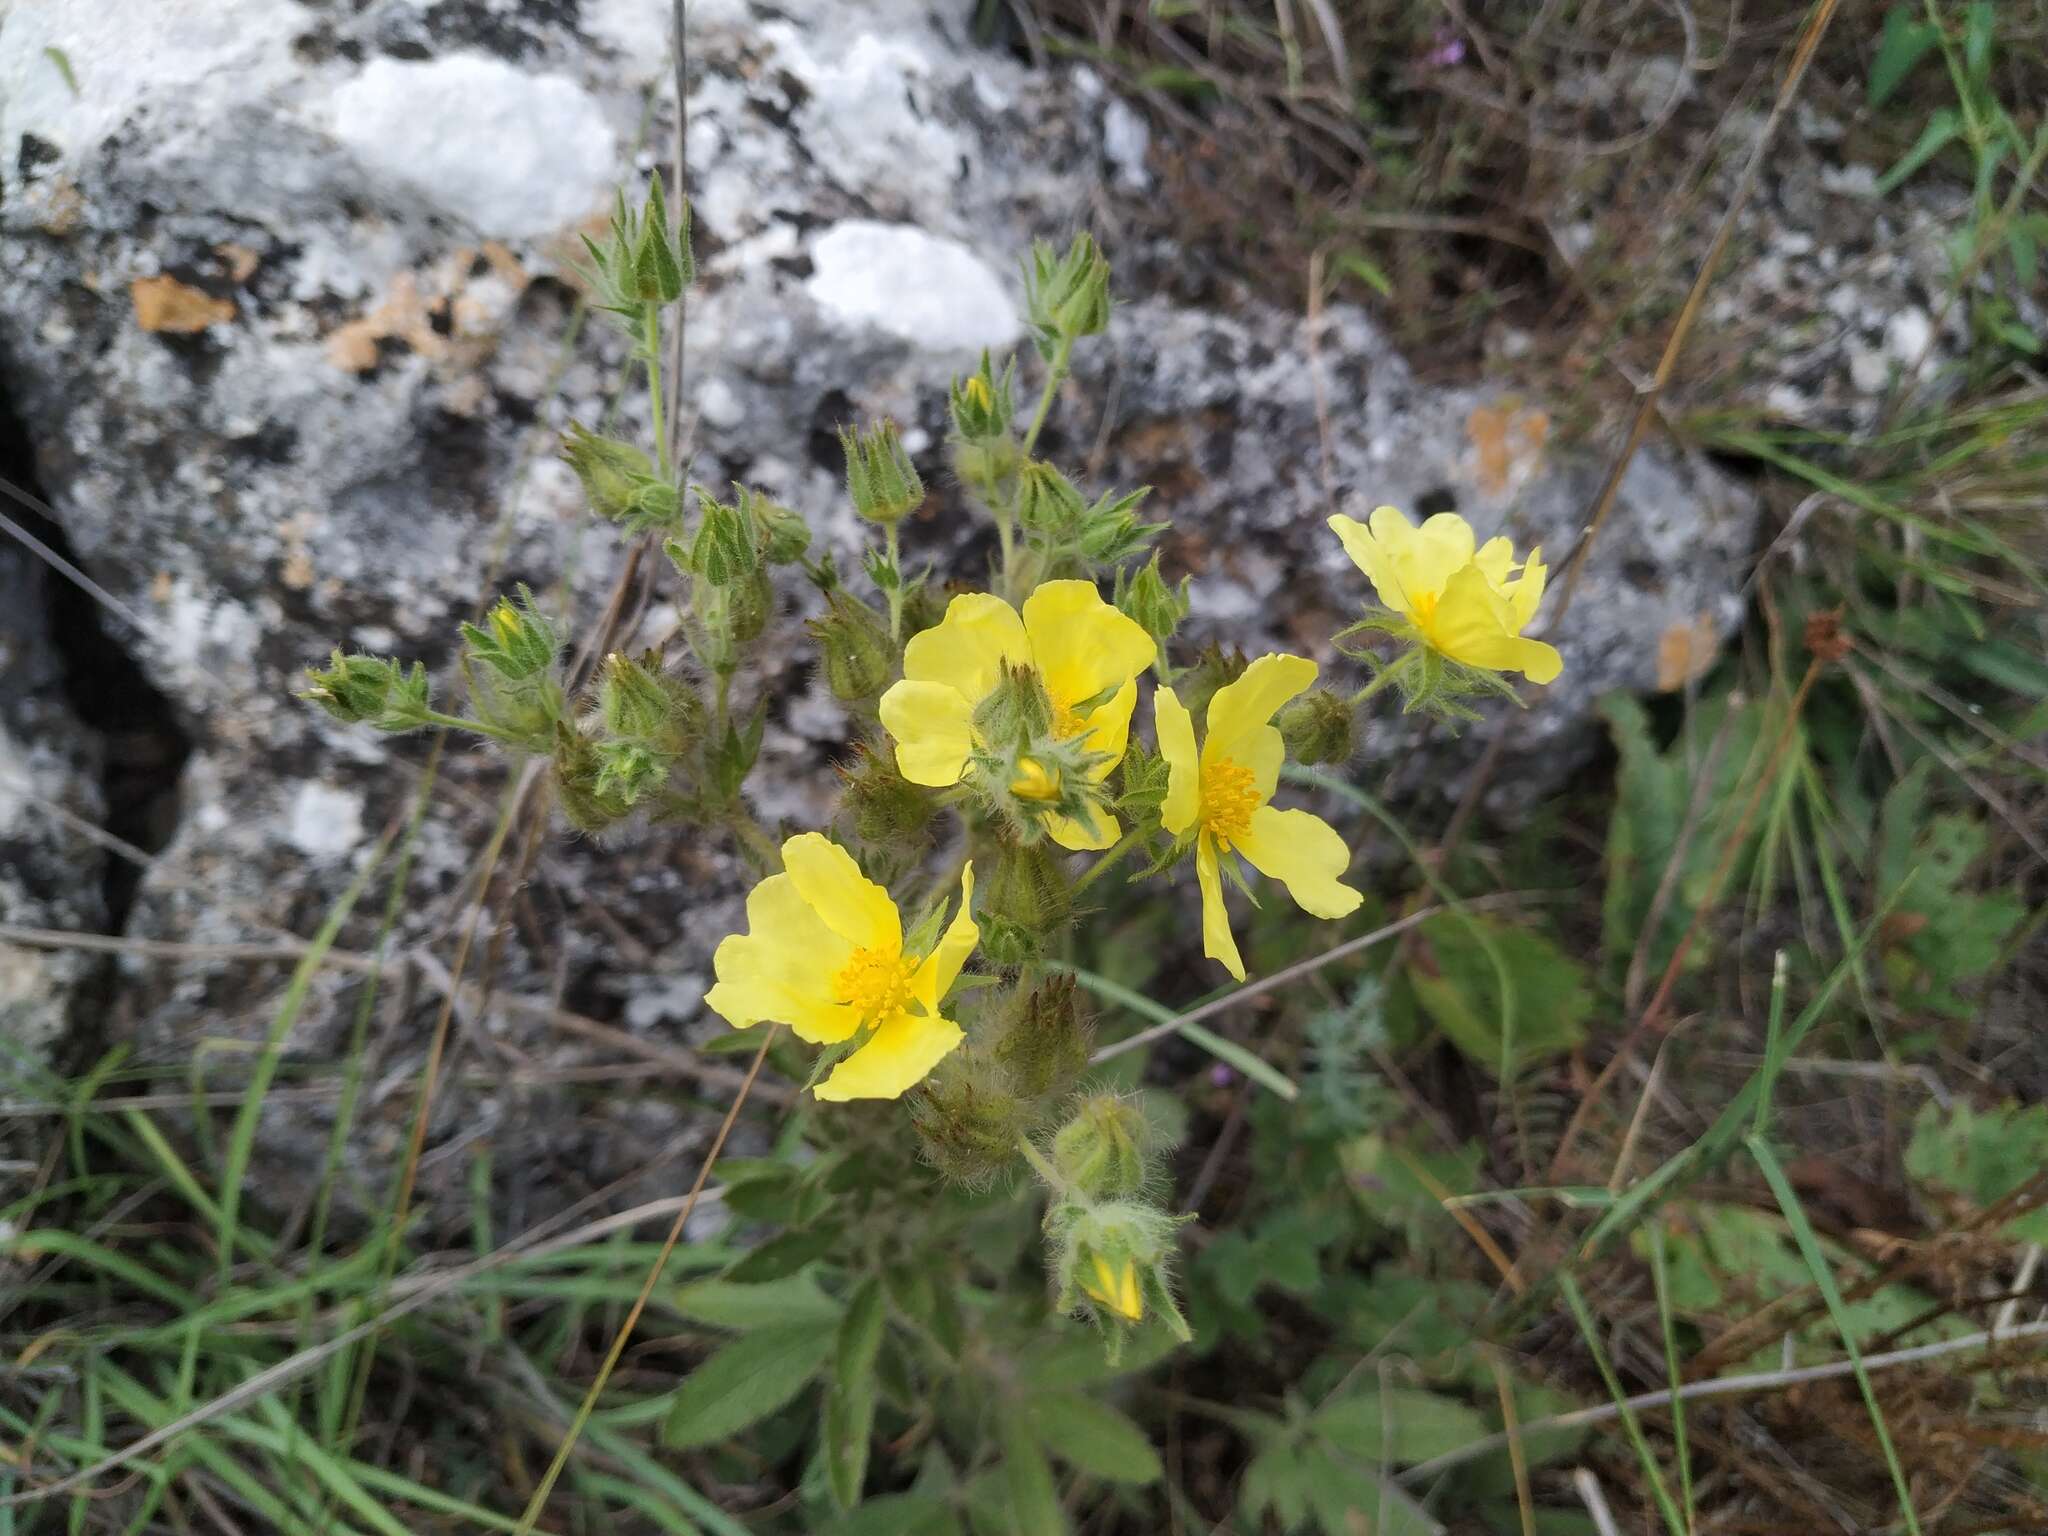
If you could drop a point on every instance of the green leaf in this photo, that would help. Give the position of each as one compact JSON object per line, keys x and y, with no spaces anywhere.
{"x":783,"y":1256}
{"x":1940,"y":131}
{"x":1474,"y":976}
{"x":1399,"y":1424}
{"x":899,"y":1514}
{"x":1357,"y":266}
{"x":1034,"y":1501}
{"x":1980,"y":24}
{"x":850,"y":1398}
{"x":731,"y":1304}
{"x":61,"y":61}
{"x":744,"y":1382}
{"x":1094,"y":1438}
{"x":1982,"y":1157}
{"x":1905,"y":41}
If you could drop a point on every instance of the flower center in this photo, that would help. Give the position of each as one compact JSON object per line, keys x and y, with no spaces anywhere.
{"x":1228,"y":799}
{"x":875,"y":981}
{"x":1065,"y":723}
{"x":1422,"y":609}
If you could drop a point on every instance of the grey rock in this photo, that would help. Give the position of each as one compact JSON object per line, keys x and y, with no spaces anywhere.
{"x":365,"y":434}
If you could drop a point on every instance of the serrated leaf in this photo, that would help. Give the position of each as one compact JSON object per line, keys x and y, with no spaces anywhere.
{"x":1982,"y":1157}
{"x":1094,"y":1438}
{"x":1477,"y":978}
{"x":850,"y":1399}
{"x":744,"y":1382}
{"x":1398,"y":1425}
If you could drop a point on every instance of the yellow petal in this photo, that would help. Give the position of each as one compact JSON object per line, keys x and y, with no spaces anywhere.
{"x":1443,"y":545}
{"x":782,"y":967}
{"x":1217,"y":943}
{"x":896,"y":1057}
{"x":1127,"y":1301}
{"x":1070,"y":833}
{"x":1304,"y":853}
{"x":1495,"y":559}
{"x":1474,"y":624}
{"x":941,"y":967}
{"x":933,"y":725}
{"x":1080,"y":643}
{"x":1109,"y":728}
{"x":851,"y":904}
{"x":1239,"y":709}
{"x":1525,"y":592}
{"x":1369,"y":556}
{"x":965,"y":650}
{"x":1176,"y":730}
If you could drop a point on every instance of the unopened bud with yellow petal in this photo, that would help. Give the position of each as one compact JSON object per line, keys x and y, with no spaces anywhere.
{"x":1100,"y":1151}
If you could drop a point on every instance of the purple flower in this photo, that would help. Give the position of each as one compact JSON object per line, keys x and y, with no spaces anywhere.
{"x":1222,"y":1076}
{"x":1447,"y":49}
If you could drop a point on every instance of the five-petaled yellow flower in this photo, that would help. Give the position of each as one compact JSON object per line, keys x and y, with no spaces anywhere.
{"x":1116,"y":1289}
{"x":1086,"y":653}
{"x":1221,"y":796}
{"x":1463,"y":601}
{"x":823,"y":953}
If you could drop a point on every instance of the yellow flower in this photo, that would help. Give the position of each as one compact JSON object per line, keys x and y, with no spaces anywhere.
{"x":1464,"y":602}
{"x":1116,"y":1289}
{"x":1087,"y":654}
{"x":1221,"y":795}
{"x":823,"y":953}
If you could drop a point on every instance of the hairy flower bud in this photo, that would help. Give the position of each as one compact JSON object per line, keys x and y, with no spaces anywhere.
{"x":1147,"y":597}
{"x":854,"y":639}
{"x":518,"y":643}
{"x":1212,"y":669}
{"x":662,"y":264}
{"x":1017,"y":711}
{"x":886,"y":807}
{"x":983,"y":405}
{"x":1066,"y":295}
{"x":369,"y":690}
{"x":785,"y":536}
{"x":1100,"y":1151}
{"x":967,"y":1122}
{"x":1027,"y":902}
{"x":631,"y":699}
{"x":620,"y":482}
{"x":727,"y":548}
{"x":1112,"y":1259}
{"x":1317,"y":728}
{"x":1047,"y":500}
{"x":749,"y":604}
{"x":578,"y":770}
{"x":1043,"y":1039}
{"x":880,"y":479}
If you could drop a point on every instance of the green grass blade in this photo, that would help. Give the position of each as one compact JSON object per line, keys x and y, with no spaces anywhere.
{"x":1629,"y":1422}
{"x":1824,"y":1278}
{"x":1260,"y":1072}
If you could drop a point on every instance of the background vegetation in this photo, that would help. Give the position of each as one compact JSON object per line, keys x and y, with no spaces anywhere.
{"x":1669,"y":1174}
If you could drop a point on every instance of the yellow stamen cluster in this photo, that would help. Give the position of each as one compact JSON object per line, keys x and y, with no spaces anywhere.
{"x":1065,"y":723}
{"x":1228,"y":799}
{"x":874,"y":981}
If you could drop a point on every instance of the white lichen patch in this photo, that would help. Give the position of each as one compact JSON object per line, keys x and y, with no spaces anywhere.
{"x":325,"y":821}
{"x":511,"y":153}
{"x":920,"y":287}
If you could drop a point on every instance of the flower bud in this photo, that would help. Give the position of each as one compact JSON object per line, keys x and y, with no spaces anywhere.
{"x":854,"y":639}
{"x":727,"y":548}
{"x":1212,"y":669}
{"x":370,"y":690}
{"x":631,"y":700}
{"x":620,"y":482}
{"x":785,"y":536}
{"x":1027,"y":902}
{"x":967,"y":1123}
{"x":1043,"y":1042}
{"x":749,"y":604}
{"x":662,"y":264}
{"x":1066,"y":295}
{"x":577,"y":769}
{"x":1317,"y":728}
{"x":519,"y":643}
{"x":880,"y":478}
{"x":1116,"y":1254}
{"x":1100,"y":1151}
{"x":1016,"y":712}
{"x":1047,"y":500}
{"x":886,"y":807}
{"x":1148,"y":598}
{"x":983,"y":405}
{"x":626,"y":770}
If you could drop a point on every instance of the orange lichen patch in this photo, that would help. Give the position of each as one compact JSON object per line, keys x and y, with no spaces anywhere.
{"x":446,"y":312}
{"x":165,"y":304}
{"x":1506,"y":437}
{"x":1685,"y":651}
{"x":239,"y":261}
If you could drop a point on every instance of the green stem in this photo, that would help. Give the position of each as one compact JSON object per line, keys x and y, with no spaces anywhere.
{"x":1006,"y":541}
{"x":650,"y":341}
{"x":476,"y":727}
{"x":1102,"y":866}
{"x":1061,"y":356}
{"x":755,"y":841}
{"x":1041,"y":1167}
{"x":889,"y":544}
{"x":1386,"y":676}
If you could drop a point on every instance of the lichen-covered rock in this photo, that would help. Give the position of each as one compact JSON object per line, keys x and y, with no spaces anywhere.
{"x":50,"y":870}
{"x":290,"y":323}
